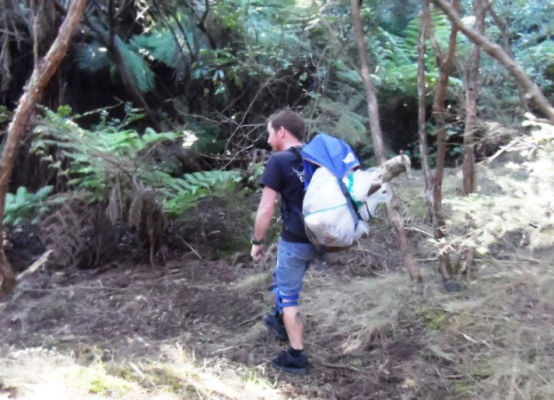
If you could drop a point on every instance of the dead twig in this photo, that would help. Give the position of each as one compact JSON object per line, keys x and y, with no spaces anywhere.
{"x":197,"y":254}
{"x":35,"y":266}
{"x":342,"y":366}
{"x":414,"y":229}
{"x":255,"y":318}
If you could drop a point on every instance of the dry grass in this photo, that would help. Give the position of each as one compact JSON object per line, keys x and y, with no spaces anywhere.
{"x":37,"y":373}
{"x":504,"y":332}
{"x":355,"y":310}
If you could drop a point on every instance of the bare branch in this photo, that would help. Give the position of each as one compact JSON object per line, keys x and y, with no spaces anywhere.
{"x":533,"y":92}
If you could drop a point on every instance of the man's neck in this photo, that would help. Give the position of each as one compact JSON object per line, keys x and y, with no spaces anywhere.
{"x":292,"y":143}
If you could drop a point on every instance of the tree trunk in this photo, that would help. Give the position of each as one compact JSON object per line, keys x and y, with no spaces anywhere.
{"x":471,"y":86}
{"x":42,"y":73}
{"x":422,"y":134}
{"x":532,"y":90}
{"x":439,"y":112}
{"x":45,"y":23}
{"x":377,"y":137}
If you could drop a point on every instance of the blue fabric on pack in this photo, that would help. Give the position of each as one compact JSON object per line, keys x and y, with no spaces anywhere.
{"x":330,"y":152}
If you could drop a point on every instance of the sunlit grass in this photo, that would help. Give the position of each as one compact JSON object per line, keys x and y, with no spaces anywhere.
{"x":37,"y":373}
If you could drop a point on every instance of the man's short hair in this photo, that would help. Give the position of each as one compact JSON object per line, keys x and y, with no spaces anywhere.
{"x":289,"y":120}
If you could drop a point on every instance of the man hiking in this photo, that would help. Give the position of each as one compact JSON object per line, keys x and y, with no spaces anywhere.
{"x":284,"y":175}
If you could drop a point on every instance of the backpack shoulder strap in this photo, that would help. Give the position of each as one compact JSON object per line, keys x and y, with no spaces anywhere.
{"x":297,"y":151}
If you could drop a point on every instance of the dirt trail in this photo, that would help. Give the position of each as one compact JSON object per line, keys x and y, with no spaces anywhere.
{"x":213,"y":308}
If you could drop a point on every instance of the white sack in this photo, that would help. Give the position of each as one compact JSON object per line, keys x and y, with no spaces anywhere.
{"x":326,"y":212}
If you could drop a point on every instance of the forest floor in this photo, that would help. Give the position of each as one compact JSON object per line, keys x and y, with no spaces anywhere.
{"x":192,"y":328}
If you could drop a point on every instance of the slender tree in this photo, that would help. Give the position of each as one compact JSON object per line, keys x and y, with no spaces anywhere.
{"x":377,"y":137}
{"x":532,"y":91}
{"x":42,"y":73}
{"x":444,"y":62}
{"x":421,"y":117}
{"x":471,"y":89}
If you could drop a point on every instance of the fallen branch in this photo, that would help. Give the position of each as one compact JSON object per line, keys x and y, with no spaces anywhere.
{"x":196,"y":253}
{"x":35,"y":266}
{"x":342,"y":366}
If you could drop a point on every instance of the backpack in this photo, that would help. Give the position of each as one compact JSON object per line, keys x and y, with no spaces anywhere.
{"x":339,"y":197}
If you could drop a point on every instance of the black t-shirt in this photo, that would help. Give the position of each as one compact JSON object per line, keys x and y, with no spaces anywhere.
{"x":284,"y":173}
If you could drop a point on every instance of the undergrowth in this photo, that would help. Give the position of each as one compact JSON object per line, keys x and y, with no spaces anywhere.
{"x":104,"y":162}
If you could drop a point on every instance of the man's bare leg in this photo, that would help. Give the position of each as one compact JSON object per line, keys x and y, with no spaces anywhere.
{"x":294,"y":325}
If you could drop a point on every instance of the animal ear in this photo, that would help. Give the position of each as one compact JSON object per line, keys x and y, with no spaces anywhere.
{"x":373,"y":188}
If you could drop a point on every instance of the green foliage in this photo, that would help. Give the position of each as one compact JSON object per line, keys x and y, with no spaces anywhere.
{"x":157,"y":46}
{"x":100,"y":159}
{"x":138,"y":66}
{"x":64,"y":111}
{"x":536,"y":60}
{"x":220,"y":67}
{"x":95,"y":157}
{"x":397,"y":56}
{"x":337,"y":118}
{"x":5,"y":114}
{"x":435,"y":319}
{"x":24,"y":205}
{"x":139,"y":52}
{"x":92,"y":57}
{"x":191,"y":187}
{"x":529,"y":29}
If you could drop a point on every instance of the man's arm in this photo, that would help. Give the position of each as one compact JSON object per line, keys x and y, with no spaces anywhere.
{"x":263,"y":220}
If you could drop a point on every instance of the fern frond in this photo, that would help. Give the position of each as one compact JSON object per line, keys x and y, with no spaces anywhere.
{"x":411,"y":34}
{"x":158,"y":46}
{"x":137,"y":66}
{"x":339,"y":119}
{"x":394,"y":48}
{"x":92,"y":57}
{"x":24,"y":205}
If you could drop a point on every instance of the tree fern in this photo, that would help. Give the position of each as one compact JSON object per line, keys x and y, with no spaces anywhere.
{"x":158,"y":46}
{"x":138,"y":67}
{"x":338,"y":118}
{"x":92,"y":57}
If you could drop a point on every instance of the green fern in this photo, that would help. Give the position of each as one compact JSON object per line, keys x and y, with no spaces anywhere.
{"x":138,"y":67}
{"x":24,"y":205}
{"x":92,"y":57}
{"x":158,"y":46}
{"x":191,"y":187}
{"x":100,"y":158}
{"x":338,"y":118}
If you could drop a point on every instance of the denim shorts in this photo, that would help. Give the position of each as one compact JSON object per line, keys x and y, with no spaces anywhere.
{"x":293,"y":259}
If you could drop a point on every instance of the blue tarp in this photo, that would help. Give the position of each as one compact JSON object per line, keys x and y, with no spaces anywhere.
{"x":330,"y":152}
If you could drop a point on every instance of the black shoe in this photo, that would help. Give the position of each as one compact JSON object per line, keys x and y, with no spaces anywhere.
{"x":289,"y":363}
{"x":275,"y":324}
